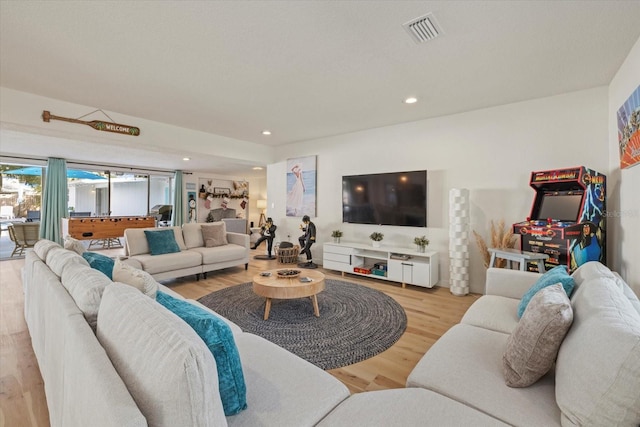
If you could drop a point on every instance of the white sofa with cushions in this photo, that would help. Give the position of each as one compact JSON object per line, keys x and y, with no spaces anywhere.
{"x":146,"y":366}
{"x":596,"y":378}
{"x":192,"y":258}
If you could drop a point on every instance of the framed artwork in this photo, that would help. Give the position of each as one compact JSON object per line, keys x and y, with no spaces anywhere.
{"x":629,"y":130}
{"x":221,"y":190}
{"x":301,"y":186}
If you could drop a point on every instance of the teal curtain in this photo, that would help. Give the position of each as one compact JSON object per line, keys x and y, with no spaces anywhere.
{"x":177,"y":218}
{"x":54,"y":200}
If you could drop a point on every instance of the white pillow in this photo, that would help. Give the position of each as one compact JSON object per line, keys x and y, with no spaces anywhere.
{"x":74,"y":245}
{"x":141,"y":280}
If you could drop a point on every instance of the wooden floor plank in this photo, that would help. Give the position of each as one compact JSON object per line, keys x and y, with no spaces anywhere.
{"x":430,"y":313}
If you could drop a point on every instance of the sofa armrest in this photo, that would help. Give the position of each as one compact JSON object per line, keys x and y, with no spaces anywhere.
{"x":238,"y":239}
{"x":509,"y":283}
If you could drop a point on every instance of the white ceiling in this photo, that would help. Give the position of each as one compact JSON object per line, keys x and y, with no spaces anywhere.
{"x":307,"y":69}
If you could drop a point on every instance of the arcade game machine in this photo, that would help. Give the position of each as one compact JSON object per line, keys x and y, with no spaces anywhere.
{"x":567,"y":220}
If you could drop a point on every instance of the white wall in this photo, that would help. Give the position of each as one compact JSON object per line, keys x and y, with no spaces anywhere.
{"x":624,"y":185}
{"x":491,"y":152}
{"x":21,"y":111}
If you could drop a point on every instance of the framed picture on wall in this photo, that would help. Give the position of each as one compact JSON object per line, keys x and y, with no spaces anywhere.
{"x":301,"y":186}
{"x":221,"y":191}
{"x":629,"y":130}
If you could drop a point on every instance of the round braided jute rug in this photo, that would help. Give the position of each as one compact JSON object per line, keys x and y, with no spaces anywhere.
{"x":355,"y":322}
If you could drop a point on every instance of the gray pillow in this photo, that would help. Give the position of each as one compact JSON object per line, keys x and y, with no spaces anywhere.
{"x":214,"y":235}
{"x":533,"y":346}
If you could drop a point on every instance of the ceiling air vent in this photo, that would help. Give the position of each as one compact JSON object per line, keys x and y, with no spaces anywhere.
{"x":423,"y":29}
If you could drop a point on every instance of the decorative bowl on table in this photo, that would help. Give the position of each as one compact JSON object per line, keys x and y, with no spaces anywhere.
{"x":288,"y":273}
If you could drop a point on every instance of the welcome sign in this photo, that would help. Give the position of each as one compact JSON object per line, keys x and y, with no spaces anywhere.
{"x":96,"y":124}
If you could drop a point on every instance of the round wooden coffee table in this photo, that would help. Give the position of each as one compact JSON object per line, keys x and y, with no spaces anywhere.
{"x":273,"y":286}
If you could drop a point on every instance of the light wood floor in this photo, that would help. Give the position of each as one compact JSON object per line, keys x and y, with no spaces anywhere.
{"x":430,"y":313}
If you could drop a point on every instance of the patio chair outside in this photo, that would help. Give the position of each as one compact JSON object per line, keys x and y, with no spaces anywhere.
{"x":26,"y":234}
{"x":6,"y":212}
{"x":12,"y":237}
{"x":33,"y":216}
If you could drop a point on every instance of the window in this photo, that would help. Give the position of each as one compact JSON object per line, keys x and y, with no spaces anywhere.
{"x":21,"y":192}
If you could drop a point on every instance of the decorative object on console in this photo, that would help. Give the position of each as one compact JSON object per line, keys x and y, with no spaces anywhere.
{"x":421,"y":242}
{"x":336,"y":234}
{"x":459,"y":241}
{"x":377,"y":238}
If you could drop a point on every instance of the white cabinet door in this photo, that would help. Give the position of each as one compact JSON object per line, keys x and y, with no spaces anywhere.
{"x":411,"y":271}
{"x":420,"y":274}
{"x":394,"y":270}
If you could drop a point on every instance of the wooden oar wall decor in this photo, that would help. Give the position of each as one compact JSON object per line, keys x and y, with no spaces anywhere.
{"x":96,"y":124}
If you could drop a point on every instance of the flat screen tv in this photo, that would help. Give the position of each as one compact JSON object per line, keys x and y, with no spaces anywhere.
{"x":398,"y":198}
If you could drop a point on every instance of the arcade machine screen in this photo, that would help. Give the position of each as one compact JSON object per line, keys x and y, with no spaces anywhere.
{"x":561,"y":207}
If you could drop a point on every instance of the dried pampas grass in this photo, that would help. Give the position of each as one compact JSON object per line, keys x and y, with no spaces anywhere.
{"x":501,"y":238}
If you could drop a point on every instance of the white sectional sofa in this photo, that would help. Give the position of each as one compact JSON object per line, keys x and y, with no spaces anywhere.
{"x":193,"y":258}
{"x":174,"y":380}
{"x":596,"y":380}
{"x":146,"y":367}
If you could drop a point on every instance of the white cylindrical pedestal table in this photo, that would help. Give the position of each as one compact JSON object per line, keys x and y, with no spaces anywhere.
{"x":459,"y":241}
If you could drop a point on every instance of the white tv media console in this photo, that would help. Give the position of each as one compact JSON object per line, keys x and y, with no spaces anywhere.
{"x":404,"y":265}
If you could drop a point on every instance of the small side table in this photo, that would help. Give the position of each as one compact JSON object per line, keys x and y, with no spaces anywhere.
{"x":521,"y":257}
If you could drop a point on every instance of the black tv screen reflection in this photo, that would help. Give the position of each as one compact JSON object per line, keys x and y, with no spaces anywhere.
{"x":398,"y":198}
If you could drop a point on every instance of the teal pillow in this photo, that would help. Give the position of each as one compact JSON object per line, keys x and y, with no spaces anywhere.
{"x":218,"y":337}
{"x":557,"y":274}
{"x":100,"y":262}
{"x":162,"y":241}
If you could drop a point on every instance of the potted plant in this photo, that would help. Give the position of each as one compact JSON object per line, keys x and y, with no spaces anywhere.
{"x":421,"y":242}
{"x":336,"y":234}
{"x":377,"y":238}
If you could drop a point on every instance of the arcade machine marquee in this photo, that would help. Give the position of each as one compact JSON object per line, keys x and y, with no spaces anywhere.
{"x":567,"y":220}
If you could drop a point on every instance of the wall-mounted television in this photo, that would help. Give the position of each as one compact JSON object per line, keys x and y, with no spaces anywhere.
{"x":398,"y":198}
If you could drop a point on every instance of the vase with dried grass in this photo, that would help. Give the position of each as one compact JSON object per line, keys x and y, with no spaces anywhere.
{"x":501,"y":238}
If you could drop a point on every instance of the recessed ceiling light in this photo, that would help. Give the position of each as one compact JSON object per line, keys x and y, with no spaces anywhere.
{"x":257,"y":168}
{"x":411,"y":100}
{"x":186,"y":159}
{"x":266,"y":132}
